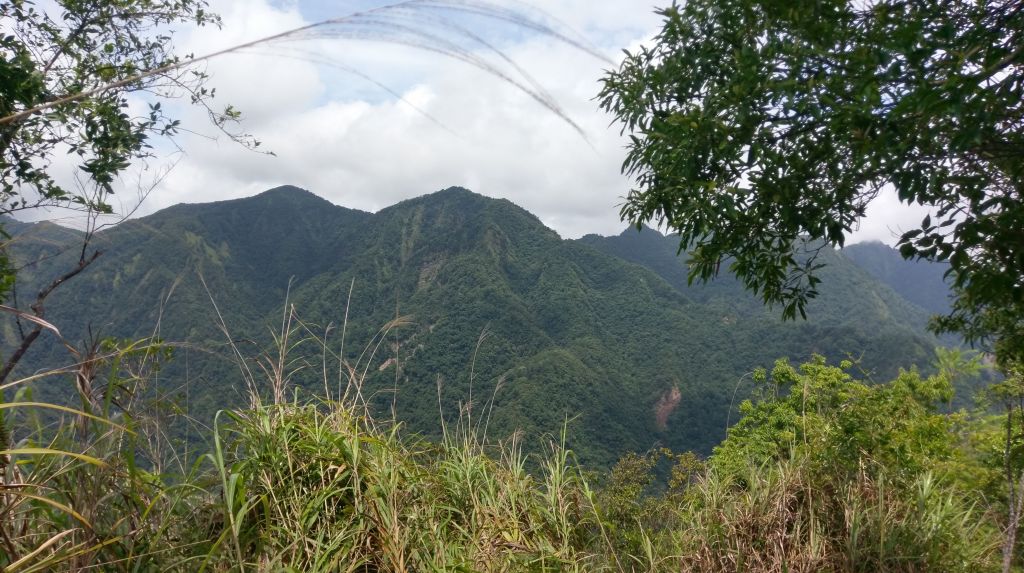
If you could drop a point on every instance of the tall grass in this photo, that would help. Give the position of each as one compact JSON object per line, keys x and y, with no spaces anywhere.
{"x":783,"y":518}
{"x":291,"y":485}
{"x":318,"y":488}
{"x":86,"y":488}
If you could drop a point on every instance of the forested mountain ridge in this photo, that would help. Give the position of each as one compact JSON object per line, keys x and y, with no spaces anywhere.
{"x":921,"y":282}
{"x":597,"y":331}
{"x":855,"y":311}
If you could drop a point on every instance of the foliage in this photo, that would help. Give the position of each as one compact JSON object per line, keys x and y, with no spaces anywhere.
{"x":634,"y":504}
{"x":67,"y":72}
{"x":761,"y":132}
{"x":285,"y":487}
{"x":570,"y":328}
{"x":90,"y":46}
{"x":96,"y":485}
{"x":820,"y":411}
{"x":825,"y":473}
{"x":786,"y":517}
{"x":324,"y":487}
{"x":320,"y":489}
{"x":1009,"y":393}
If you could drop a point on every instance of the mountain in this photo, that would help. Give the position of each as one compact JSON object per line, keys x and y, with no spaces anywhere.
{"x":921,"y":282}
{"x":854,"y":313}
{"x":504,"y":323}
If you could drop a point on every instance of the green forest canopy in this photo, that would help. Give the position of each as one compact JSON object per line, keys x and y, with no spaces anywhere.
{"x":761,"y":130}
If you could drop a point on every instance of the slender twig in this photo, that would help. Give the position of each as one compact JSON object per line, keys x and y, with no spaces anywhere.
{"x":39,"y":311}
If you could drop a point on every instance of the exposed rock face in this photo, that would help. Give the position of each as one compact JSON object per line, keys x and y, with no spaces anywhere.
{"x":667,"y":403}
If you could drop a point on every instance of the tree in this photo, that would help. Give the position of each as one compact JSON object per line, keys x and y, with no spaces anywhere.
{"x":66,"y":74}
{"x":760,"y":130}
{"x":65,"y":82}
{"x":1010,"y":393}
{"x":65,"y":78}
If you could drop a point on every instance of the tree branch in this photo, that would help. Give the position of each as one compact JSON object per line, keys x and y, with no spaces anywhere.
{"x":39,"y":311}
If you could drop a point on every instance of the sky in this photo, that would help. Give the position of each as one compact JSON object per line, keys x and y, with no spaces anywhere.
{"x":439,"y":122}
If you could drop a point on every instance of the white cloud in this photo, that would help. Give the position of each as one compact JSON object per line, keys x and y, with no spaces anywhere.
{"x":351,"y":142}
{"x":887,"y":218}
{"x":264,"y":87}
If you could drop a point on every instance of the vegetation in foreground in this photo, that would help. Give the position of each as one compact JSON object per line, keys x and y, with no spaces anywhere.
{"x":822,"y":473}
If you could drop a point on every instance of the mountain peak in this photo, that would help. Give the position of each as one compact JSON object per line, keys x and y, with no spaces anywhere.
{"x":630,"y":232}
{"x":446,"y":196}
{"x":644,"y":230}
{"x":287,"y":197}
{"x":289,"y":194}
{"x":286,"y":190}
{"x":456,"y":191}
{"x":471,"y":216}
{"x":456,"y":195}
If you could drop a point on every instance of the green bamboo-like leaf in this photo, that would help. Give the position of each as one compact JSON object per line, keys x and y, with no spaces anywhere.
{"x":27,"y":558}
{"x":93,"y":417}
{"x":52,"y":452}
{"x":55,"y":504}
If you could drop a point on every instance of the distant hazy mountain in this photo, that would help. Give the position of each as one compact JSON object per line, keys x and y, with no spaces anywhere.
{"x":920,"y":282}
{"x":532,"y":330}
{"x":850,"y":298}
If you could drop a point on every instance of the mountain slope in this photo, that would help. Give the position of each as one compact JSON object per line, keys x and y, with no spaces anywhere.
{"x":920,"y":282}
{"x":853,"y":315}
{"x":506,"y":323}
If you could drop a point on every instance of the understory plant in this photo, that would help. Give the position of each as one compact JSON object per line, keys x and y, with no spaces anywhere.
{"x":822,"y":473}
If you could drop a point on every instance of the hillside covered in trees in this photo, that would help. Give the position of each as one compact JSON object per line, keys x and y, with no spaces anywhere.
{"x":502,"y":399}
{"x":278,"y":383}
{"x":498,"y":312}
